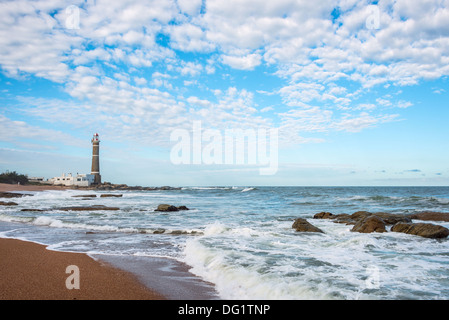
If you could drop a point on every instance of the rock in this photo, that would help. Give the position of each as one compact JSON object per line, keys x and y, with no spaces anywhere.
{"x":343,"y":218}
{"x":91,"y":208}
{"x":8,"y":203}
{"x":369,"y":224}
{"x":302,"y":225}
{"x":360,"y":215}
{"x":111,"y":195}
{"x":324,"y":215}
{"x":166,"y":208}
{"x":426,"y":230}
{"x":178,"y":232}
{"x":13,"y":195}
{"x":390,"y":218}
{"x":169,"y":207}
{"x":32,"y":210}
{"x":431,"y":216}
{"x":85,"y":196}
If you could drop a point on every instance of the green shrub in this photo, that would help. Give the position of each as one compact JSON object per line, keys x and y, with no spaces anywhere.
{"x":13,"y":178}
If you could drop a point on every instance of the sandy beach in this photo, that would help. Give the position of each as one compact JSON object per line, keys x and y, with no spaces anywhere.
{"x":4,"y":187}
{"x":31,"y":272}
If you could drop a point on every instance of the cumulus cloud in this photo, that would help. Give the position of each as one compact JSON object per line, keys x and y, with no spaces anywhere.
{"x":132,"y":63}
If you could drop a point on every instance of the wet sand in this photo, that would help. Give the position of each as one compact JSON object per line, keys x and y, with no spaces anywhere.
{"x":31,"y":272}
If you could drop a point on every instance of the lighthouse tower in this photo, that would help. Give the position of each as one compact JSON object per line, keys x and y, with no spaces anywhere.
{"x":96,"y":159}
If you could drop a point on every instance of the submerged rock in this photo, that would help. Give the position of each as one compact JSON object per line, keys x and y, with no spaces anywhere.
{"x":14,"y":195}
{"x":91,"y":208}
{"x":111,"y":195}
{"x":85,"y":196}
{"x":426,"y":230}
{"x":388,"y":218}
{"x":169,"y":207}
{"x":2,"y":203}
{"x":302,"y":225}
{"x":431,"y":216}
{"x":166,"y":208}
{"x":369,"y":224}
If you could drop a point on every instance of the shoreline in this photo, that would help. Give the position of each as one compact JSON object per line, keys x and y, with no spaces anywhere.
{"x":32,"y":272}
{"x":163,"y":277}
{"x":5,"y":187}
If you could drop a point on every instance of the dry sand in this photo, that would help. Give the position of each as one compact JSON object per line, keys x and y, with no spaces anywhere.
{"x":4,"y":187}
{"x":28,"y":271}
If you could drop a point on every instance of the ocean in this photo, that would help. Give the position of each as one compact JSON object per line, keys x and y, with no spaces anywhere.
{"x":240,"y":239}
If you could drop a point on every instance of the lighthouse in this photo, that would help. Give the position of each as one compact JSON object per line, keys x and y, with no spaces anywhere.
{"x":96,"y":159}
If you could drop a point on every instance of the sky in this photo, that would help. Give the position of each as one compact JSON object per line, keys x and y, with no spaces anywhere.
{"x":357,"y":92}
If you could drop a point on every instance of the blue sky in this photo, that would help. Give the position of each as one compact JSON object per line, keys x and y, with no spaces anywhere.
{"x":358,"y":90}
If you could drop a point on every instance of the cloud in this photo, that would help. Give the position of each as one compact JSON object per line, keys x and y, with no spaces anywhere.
{"x":23,"y":134}
{"x":245,"y":62}
{"x":135,"y":63}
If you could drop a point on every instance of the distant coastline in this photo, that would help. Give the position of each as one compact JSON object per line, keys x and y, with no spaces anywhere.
{"x":5,"y":187}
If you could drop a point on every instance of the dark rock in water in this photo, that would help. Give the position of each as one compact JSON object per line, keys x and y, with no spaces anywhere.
{"x":85,"y":196}
{"x":159,"y":231}
{"x":14,"y":195}
{"x":360,"y":215}
{"x":32,"y":210}
{"x":8,"y":203}
{"x":324,"y":215}
{"x":343,"y":218}
{"x":169,"y":207}
{"x":91,"y":208}
{"x":431,"y":216}
{"x":426,"y":230}
{"x":166,"y":208}
{"x":178,"y":232}
{"x":369,"y":224}
{"x":302,"y":225}
{"x":111,"y":195}
{"x":390,"y":218}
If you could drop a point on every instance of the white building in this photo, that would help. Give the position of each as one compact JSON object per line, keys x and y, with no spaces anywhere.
{"x":81,"y":180}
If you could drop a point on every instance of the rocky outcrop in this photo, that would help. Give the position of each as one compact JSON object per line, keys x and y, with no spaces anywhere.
{"x":90,"y":208}
{"x":111,"y":195}
{"x":369,"y":224}
{"x":426,"y":230}
{"x":169,"y":207}
{"x":85,"y":196}
{"x":324,"y":215}
{"x":431,"y":216}
{"x":2,"y":203}
{"x":302,"y":225}
{"x":352,"y":219}
{"x":14,"y":195}
{"x":111,"y":186}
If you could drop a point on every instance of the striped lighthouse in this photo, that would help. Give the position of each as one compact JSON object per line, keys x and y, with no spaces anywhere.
{"x":96,"y":159}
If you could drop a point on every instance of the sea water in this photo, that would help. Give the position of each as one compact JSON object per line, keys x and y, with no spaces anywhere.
{"x":241,"y":238}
